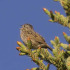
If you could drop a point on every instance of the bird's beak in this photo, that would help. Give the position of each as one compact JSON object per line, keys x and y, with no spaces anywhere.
{"x":20,"y":28}
{"x":21,"y":25}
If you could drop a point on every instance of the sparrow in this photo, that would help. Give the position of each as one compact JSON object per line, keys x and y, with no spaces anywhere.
{"x":36,"y":39}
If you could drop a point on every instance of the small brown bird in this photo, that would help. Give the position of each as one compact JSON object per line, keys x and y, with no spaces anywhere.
{"x":36,"y":39}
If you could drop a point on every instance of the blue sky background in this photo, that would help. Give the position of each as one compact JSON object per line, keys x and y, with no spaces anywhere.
{"x":14,"y":13}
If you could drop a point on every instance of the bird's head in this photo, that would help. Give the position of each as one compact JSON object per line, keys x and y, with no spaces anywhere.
{"x":27,"y":26}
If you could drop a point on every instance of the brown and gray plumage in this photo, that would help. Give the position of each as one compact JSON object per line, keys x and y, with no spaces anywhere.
{"x":36,"y":39}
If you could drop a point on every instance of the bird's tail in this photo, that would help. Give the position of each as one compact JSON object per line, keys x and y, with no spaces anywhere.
{"x":47,"y":46}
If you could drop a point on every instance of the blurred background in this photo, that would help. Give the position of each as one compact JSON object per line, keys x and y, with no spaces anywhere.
{"x":13,"y":14}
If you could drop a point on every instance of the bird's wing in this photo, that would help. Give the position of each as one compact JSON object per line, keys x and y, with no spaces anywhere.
{"x":35,"y":37}
{"x":38,"y":38}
